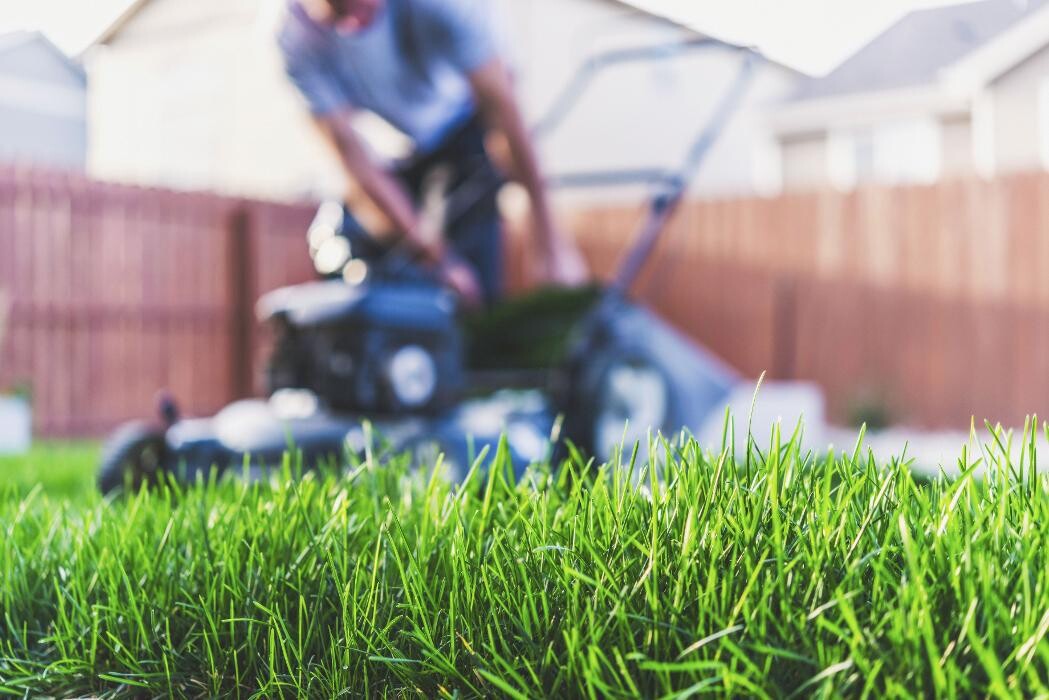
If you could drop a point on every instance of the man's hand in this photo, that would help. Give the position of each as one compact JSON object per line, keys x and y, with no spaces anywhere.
{"x":388,"y":195}
{"x":564,"y":265}
{"x":462,"y":279}
{"x":427,"y":243}
{"x":560,"y":262}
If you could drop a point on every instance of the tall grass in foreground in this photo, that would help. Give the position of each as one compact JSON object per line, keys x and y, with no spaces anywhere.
{"x":764,"y":574}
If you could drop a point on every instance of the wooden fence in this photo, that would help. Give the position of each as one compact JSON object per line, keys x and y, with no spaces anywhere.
{"x":933,"y":300}
{"x":118,"y":291}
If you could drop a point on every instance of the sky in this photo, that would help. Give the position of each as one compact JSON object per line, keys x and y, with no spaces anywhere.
{"x":810,"y":35}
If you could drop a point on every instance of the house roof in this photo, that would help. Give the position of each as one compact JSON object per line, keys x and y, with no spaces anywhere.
{"x":644,"y":10}
{"x":120,"y":21}
{"x":135,"y":6}
{"x":921,"y":46}
{"x":12,"y":41}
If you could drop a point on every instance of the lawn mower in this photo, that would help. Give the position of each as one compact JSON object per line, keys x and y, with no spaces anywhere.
{"x":382,"y":349}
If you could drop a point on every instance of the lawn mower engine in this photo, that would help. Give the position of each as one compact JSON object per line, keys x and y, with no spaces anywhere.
{"x":382,"y":349}
{"x":377,"y":337}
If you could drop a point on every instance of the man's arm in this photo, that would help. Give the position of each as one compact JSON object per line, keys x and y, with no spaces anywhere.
{"x":387,"y":194}
{"x":493,"y":91}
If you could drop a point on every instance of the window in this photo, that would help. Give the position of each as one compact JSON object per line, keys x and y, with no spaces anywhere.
{"x":898,"y":152}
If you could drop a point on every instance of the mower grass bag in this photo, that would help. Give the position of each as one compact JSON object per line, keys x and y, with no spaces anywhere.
{"x":527,"y":332}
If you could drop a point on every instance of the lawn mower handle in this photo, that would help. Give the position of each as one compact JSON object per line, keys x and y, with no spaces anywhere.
{"x":673,"y":184}
{"x":664,"y":204}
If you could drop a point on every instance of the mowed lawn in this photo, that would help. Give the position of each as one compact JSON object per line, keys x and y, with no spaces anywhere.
{"x":61,"y":470}
{"x":762,"y":575}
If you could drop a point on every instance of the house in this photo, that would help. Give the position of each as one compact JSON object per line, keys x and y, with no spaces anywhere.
{"x":190,"y":93}
{"x":43,"y":98}
{"x":945,"y":92}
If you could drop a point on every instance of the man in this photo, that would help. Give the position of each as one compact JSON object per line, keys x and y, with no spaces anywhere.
{"x":430,"y":68}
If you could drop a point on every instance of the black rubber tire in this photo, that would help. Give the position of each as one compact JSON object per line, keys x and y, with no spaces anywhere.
{"x":137,"y":453}
{"x":285,"y":368}
{"x":592,"y":395}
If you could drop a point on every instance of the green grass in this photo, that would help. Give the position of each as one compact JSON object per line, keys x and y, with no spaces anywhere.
{"x":764,"y":574}
{"x":61,"y":469}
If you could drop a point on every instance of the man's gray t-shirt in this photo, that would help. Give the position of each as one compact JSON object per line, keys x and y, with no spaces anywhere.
{"x":410,"y":66}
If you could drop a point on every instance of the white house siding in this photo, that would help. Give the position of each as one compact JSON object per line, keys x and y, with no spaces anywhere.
{"x":1017,"y":119}
{"x":813,"y":159}
{"x":806,"y":161}
{"x":956,"y":136}
{"x":42,"y":140}
{"x":191,"y":94}
{"x":42,"y":107}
